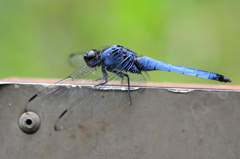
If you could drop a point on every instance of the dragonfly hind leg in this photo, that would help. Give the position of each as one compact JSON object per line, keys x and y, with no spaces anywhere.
{"x":121,"y":75}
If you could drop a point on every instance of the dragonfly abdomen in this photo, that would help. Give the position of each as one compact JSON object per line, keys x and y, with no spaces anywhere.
{"x":149,"y":64}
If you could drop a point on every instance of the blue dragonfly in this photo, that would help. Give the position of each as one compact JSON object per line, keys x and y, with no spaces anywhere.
{"x":121,"y":77}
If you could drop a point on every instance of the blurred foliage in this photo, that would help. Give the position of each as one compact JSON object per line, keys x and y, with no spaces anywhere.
{"x":36,"y":36}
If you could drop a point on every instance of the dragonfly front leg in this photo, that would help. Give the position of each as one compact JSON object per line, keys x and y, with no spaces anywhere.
{"x":121,"y":74}
{"x":105,"y":75}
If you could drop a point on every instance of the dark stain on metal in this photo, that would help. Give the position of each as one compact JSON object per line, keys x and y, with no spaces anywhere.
{"x":104,"y":125}
{"x":88,"y":135}
{"x":200,"y":141}
{"x":83,"y":129}
{"x":197,"y":107}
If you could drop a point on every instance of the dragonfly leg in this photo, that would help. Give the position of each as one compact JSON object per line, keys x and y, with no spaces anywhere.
{"x":121,"y":74}
{"x":104,"y":77}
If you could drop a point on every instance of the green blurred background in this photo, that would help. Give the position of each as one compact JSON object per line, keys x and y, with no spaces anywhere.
{"x":36,"y":36}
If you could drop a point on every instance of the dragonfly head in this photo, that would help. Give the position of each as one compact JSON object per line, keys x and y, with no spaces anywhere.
{"x":91,"y":58}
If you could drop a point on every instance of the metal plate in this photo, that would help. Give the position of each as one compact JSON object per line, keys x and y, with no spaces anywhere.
{"x":159,"y":124}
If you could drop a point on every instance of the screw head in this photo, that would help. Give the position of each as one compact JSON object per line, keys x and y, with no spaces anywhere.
{"x":29,"y":122}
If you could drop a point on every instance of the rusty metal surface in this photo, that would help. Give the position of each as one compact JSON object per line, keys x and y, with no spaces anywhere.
{"x":165,"y":85}
{"x":161,"y":123}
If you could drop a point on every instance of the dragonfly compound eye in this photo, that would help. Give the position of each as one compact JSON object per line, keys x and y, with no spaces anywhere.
{"x":90,"y":55}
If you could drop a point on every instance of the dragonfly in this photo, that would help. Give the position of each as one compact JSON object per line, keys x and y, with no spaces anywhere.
{"x":115,"y":72}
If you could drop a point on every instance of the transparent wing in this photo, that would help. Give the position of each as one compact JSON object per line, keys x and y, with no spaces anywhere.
{"x":76,"y":59}
{"x":68,"y":89}
{"x":101,"y":99}
{"x":78,"y":103}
